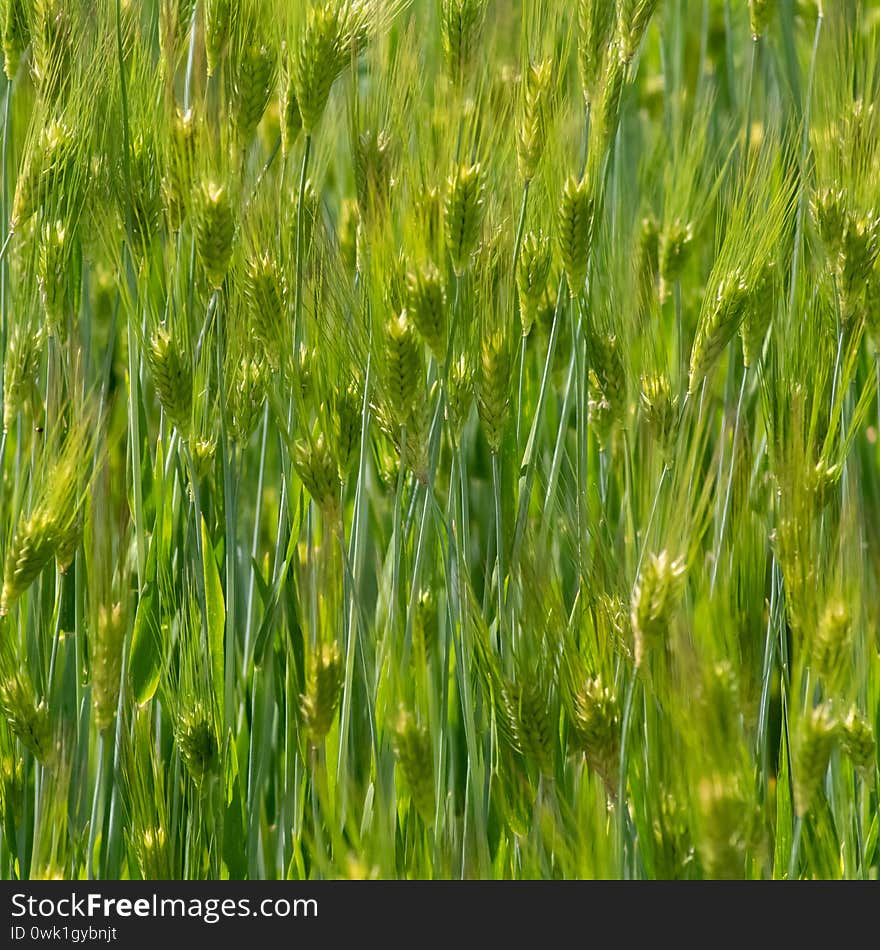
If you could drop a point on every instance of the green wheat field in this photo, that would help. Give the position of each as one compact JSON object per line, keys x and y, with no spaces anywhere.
{"x":440,"y":439}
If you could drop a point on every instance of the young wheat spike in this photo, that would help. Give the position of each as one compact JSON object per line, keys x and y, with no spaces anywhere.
{"x":532,"y":273}
{"x":263,"y":290}
{"x":575,"y":222}
{"x":464,"y":208}
{"x":319,"y":471}
{"x":718,"y":325}
{"x":15,"y":34}
{"x":659,"y":409}
{"x":320,"y":701}
{"x":461,"y":22}
{"x":812,"y":752}
{"x":595,"y":721}
{"x":833,"y":643}
{"x":759,"y":314}
{"x":26,"y":717}
{"x":322,"y":54}
{"x":246,"y":395}
{"x":532,"y":128}
{"x":493,"y":389}
{"x":290,"y":117}
{"x":105,"y":662}
{"x":860,"y":744}
{"x":32,"y":547}
{"x":632,"y":22}
{"x":412,"y":744}
{"x":255,"y":73}
{"x":218,"y":17}
{"x":403,"y":368}
{"x":426,"y":304}
{"x":197,"y":741}
{"x":654,"y":599}
{"x":596,"y":25}
{"x":759,"y":16}
{"x":346,"y":427}
{"x":531,"y":728}
{"x":215,"y":230}
{"x":172,"y":376}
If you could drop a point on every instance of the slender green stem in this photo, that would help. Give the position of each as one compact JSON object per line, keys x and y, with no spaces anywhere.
{"x":300,"y":248}
{"x":726,"y":504}
{"x":531,"y":452}
{"x":499,"y":544}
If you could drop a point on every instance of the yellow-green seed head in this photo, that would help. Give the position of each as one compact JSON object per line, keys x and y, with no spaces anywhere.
{"x":291,"y":119}
{"x":172,"y":376}
{"x":45,"y":167}
{"x":759,"y":16}
{"x":218,"y":16}
{"x":153,"y":853}
{"x":532,"y":129}
{"x":608,"y":377}
{"x":858,"y":255}
{"x":833,"y":642}
{"x":860,"y":744}
{"x":659,"y":408}
{"x":728,"y":826}
{"x":528,"y":716}
{"x":322,"y":54}
{"x":320,"y":701}
{"x":215,"y":230}
{"x":255,"y":74}
{"x":177,"y":182}
{"x":633,"y":18}
{"x":532,"y":272}
{"x":52,"y":46}
{"x":347,"y":408}
{"x":52,"y":275}
{"x":403,"y":368}
{"x":761,"y":304}
{"x":649,"y":250}
{"x":69,"y":537}
{"x":575,"y":222}
{"x":612,"y":94}
{"x":655,"y":597}
{"x":319,"y":471}
{"x":829,"y":207}
{"x":31,"y":549}
{"x":11,"y":787}
{"x":246,"y":396}
{"x":105,"y":663}
{"x":426,"y":623}
{"x":373,"y":161}
{"x":197,"y":741}
{"x":426,"y":305}
{"x":263,"y":289}
{"x":20,"y":390}
{"x":412,"y":744}
{"x":146,"y":190}
{"x":596,"y":24}
{"x":464,"y":208}
{"x":460,"y":396}
{"x":461,"y":22}
{"x":675,"y":245}
{"x":595,"y":722}
{"x":27,"y":717}
{"x":813,"y":745}
{"x":15,"y":34}
{"x":718,"y":325}
{"x":347,"y":235}
{"x":493,"y":388}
